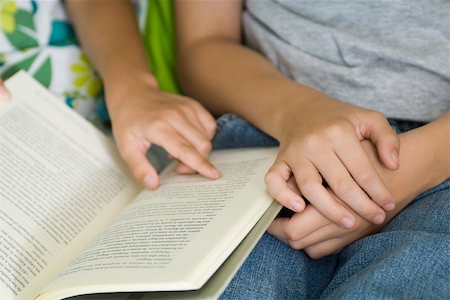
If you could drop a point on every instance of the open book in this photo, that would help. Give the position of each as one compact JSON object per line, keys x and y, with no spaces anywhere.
{"x":73,"y":221}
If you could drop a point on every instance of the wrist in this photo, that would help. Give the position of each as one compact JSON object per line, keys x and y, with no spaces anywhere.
{"x":119,"y":88}
{"x":422,"y":165}
{"x":302,"y":105}
{"x":119,"y":78}
{"x":424,"y":155}
{"x":295,"y":103}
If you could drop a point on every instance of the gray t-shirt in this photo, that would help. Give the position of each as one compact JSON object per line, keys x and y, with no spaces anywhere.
{"x":392,"y":56}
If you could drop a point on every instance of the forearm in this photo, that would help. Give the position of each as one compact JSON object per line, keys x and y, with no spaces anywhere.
{"x":110,"y":37}
{"x":229,"y":78}
{"x":424,"y":161}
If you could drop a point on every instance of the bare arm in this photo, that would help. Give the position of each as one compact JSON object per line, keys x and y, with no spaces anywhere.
{"x":425,"y":159}
{"x":208,"y":40}
{"x":313,"y":129}
{"x":141,"y":114}
{"x":424,"y":163}
{"x":109,"y":34}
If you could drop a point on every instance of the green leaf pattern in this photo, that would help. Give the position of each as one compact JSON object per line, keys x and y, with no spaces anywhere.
{"x":44,"y":73}
{"x":24,"y":34}
{"x":55,"y":60}
{"x":24,"y":64}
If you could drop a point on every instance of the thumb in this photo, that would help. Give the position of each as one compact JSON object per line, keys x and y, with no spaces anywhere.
{"x":386,"y":141}
{"x":139,"y":165}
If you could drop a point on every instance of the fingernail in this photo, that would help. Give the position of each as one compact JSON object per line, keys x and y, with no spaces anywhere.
{"x":215,"y":173}
{"x":148,"y":181}
{"x":297,"y":206}
{"x":347,"y":222}
{"x":378,"y":219}
{"x":389,"y":206}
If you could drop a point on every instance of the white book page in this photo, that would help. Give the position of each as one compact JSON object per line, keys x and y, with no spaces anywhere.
{"x":61,"y":183}
{"x":174,"y":238}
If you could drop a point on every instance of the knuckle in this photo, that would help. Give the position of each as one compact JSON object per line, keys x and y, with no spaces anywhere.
{"x":173,"y":115}
{"x":306,"y":186}
{"x":343,"y":188}
{"x":337,"y":130}
{"x":310,"y":141}
{"x":159,"y":125}
{"x":366,"y":176}
{"x":205,"y":147}
{"x":292,"y":233}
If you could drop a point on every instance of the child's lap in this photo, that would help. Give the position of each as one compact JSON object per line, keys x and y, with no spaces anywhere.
{"x":407,"y":259}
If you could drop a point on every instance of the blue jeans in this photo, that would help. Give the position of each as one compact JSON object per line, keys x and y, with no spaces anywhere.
{"x":408,"y":259}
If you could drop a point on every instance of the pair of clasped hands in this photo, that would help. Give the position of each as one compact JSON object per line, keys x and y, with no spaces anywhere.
{"x":331,"y":156}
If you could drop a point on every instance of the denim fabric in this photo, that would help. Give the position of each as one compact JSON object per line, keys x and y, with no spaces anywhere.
{"x":408,"y":259}
{"x":158,"y":157}
{"x":234,"y":132}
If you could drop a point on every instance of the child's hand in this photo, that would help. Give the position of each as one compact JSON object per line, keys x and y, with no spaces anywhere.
{"x":320,"y":141}
{"x":318,"y":236}
{"x":143,"y":115}
{"x":310,"y":231}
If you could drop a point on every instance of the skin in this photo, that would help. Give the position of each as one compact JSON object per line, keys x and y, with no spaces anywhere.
{"x":423,"y":149}
{"x":321,"y":139}
{"x":148,"y":116}
{"x":319,"y":136}
{"x":4,"y":94}
{"x":141,"y":114}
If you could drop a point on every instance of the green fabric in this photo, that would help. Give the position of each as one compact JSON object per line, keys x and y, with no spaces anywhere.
{"x":159,"y":41}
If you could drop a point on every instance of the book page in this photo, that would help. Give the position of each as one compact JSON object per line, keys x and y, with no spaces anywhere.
{"x":176,"y":237}
{"x":60,"y":183}
{"x":218,"y":282}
